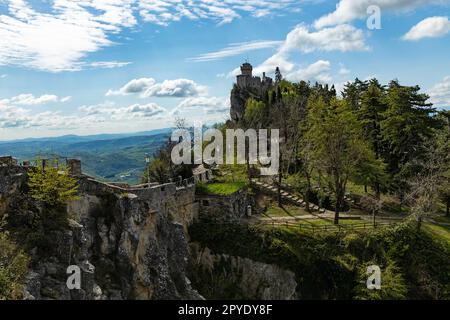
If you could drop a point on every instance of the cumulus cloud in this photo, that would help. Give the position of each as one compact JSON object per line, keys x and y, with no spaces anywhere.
{"x":342,"y":38}
{"x":348,"y":10}
{"x":175,"y":88}
{"x":440,"y":93}
{"x":431,"y":27}
{"x":318,"y":71}
{"x":148,"y":87}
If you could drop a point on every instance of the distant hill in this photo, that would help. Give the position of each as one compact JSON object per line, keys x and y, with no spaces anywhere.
{"x":110,"y":157}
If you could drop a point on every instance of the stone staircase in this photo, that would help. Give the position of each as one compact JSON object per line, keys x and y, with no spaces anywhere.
{"x":287,"y":196}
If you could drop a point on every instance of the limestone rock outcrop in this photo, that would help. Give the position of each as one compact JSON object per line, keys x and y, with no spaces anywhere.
{"x":241,"y":277}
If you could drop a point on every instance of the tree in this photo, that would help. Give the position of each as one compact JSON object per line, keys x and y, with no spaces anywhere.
{"x":338,"y":148}
{"x":443,"y":147}
{"x":407,"y":123}
{"x":353,"y":91}
{"x":253,"y":119}
{"x":52,"y":186}
{"x":424,"y":186}
{"x":157,"y":171}
{"x":370,"y":113}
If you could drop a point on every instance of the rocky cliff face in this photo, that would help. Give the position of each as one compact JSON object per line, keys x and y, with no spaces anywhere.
{"x":233,"y":277}
{"x":127,"y":245}
{"x":238,"y":100}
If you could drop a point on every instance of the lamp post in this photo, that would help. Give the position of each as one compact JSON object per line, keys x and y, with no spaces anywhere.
{"x":147,"y":161}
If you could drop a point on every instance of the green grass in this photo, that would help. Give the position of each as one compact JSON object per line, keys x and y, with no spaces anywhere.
{"x":286,"y":211}
{"x":437,"y":231}
{"x":220,"y":188}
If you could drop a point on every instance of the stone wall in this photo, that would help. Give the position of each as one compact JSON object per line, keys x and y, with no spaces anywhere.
{"x":229,"y":208}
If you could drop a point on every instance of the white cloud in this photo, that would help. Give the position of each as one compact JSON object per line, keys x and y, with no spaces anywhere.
{"x":165,"y":12}
{"x":209,"y":105}
{"x":348,"y":10}
{"x":440,"y":93}
{"x":342,"y":38}
{"x":61,"y":37}
{"x":175,"y":88}
{"x":18,"y":117}
{"x":2,"y":76}
{"x":28,"y":99}
{"x":66,"y":99}
{"x":135,"y":111}
{"x":108,"y":64}
{"x":431,"y":27}
{"x":280,"y":59}
{"x":148,"y":87}
{"x":343,"y":70}
{"x":132,"y":87}
{"x":318,"y":71}
{"x":237,"y":49}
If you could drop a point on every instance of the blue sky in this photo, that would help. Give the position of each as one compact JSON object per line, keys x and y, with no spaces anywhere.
{"x":91,"y":66}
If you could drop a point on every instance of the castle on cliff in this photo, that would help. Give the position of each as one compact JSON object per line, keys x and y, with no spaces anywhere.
{"x":246,"y":80}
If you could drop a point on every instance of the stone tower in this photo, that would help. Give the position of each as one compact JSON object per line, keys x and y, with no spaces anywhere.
{"x":246,"y":69}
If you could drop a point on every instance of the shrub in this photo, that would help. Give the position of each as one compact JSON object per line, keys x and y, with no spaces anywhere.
{"x":52,"y":186}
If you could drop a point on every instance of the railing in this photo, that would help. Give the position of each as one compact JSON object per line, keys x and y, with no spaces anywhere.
{"x":331,"y":227}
